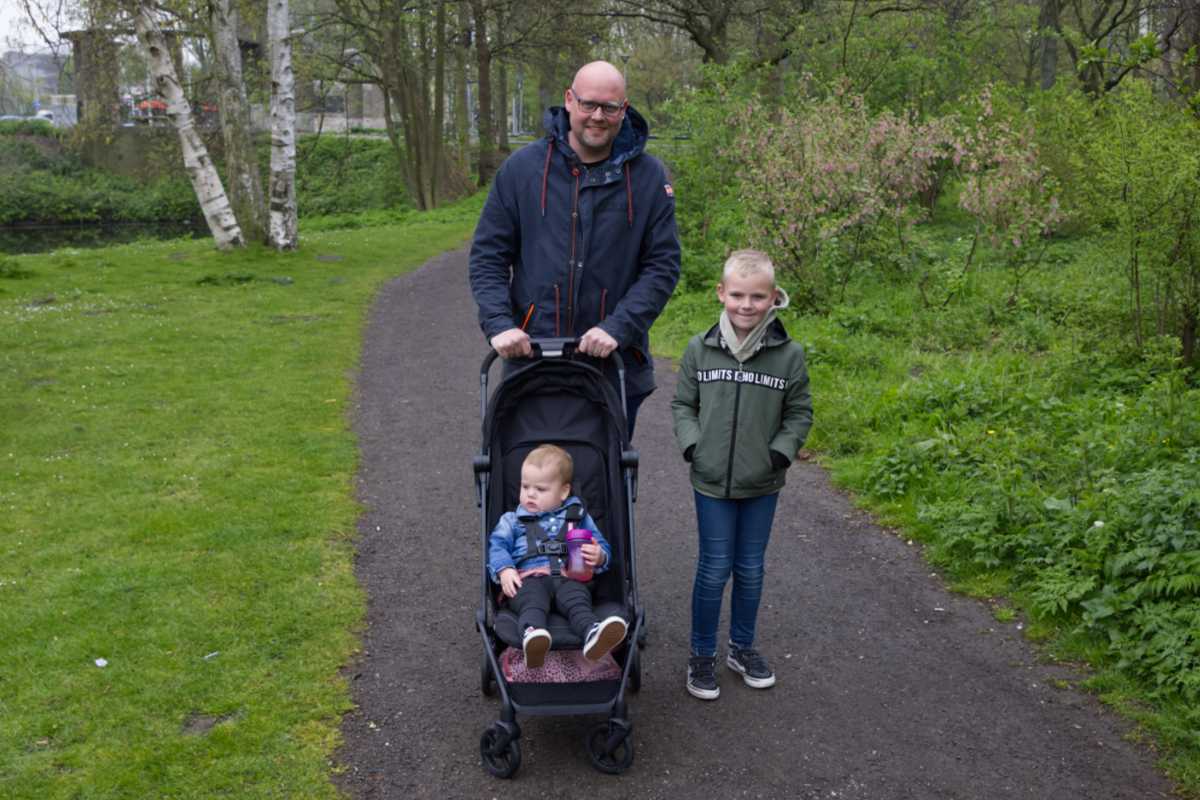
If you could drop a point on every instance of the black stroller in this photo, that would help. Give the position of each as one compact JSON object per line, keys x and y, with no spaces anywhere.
{"x":562,"y":398}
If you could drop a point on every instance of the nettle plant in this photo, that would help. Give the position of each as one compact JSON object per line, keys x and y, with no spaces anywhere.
{"x":829,"y":187}
{"x":1012,"y":197}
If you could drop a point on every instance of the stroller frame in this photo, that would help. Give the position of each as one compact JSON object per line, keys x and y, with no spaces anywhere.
{"x":609,"y":744}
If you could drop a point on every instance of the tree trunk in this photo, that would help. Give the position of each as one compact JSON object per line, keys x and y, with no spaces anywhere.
{"x":1048,"y":35}
{"x":205,"y":180}
{"x":501,"y":106}
{"x":437,"y":167}
{"x":483,"y":57}
{"x":241,"y":160}
{"x":283,"y":215}
{"x":462,"y":119}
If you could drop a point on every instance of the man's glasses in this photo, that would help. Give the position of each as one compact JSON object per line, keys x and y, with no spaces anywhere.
{"x":589,"y":106}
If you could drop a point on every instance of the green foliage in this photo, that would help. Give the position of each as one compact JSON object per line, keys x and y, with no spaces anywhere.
{"x":705,"y":181}
{"x":343,"y":175}
{"x":44,"y":182}
{"x":28,"y":127}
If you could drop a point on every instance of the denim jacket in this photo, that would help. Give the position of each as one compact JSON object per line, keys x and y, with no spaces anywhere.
{"x":508,"y":543}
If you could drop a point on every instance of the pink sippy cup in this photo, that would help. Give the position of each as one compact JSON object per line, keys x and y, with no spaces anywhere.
{"x":577,"y":568}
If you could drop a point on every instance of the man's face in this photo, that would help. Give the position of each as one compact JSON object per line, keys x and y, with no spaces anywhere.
{"x":592,"y":133}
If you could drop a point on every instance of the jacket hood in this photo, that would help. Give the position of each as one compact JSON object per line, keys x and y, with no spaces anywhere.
{"x":523,"y":514}
{"x":630,"y":141}
{"x":775,"y":334}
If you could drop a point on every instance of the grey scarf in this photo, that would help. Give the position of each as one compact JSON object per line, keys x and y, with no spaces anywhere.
{"x":743,"y":349}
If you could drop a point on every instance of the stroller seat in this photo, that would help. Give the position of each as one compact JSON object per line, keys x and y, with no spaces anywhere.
{"x":564,"y":638}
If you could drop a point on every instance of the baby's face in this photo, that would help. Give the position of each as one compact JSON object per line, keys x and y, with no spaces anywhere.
{"x":541,"y":489}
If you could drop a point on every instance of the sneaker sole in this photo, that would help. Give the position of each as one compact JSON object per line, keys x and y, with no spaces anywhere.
{"x":535,"y":651}
{"x":610,"y":636}
{"x":704,"y":694}
{"x":753,"y":683}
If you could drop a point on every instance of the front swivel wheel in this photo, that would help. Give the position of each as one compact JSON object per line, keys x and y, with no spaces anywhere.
{"x":501,"y":751}
{"x":610,"y":746}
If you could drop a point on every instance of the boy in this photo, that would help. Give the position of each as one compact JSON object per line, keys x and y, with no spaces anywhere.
{"x":532,"y":580}
{"x":742,"y":411}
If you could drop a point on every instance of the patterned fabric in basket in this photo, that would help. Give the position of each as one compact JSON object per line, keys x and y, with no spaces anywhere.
{"x":562,"y":666}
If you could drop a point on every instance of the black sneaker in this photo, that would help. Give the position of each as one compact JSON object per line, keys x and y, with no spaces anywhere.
{"x":702,"y":677}
{"x":752,"y":666}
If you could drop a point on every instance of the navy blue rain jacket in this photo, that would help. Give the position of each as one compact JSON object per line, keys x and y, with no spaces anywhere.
{"x":561,"y":247}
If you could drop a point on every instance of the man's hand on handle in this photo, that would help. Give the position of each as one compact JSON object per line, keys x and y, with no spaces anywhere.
{"x":596,"y":342}
{"x":512,"y":343}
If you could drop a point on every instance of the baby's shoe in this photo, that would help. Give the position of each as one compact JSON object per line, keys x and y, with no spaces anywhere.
{"x":752,"y":666}
{"x":536,"y":644}
{"x":602,"y":637}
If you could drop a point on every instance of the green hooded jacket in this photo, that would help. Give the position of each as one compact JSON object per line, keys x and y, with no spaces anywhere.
{"x":737,"y":415}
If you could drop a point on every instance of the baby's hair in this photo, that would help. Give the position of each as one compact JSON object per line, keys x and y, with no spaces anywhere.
{"x":745,"y":263}
{"x":551,"y":455}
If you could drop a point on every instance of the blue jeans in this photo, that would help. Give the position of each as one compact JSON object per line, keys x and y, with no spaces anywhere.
{"x":733,"y":540}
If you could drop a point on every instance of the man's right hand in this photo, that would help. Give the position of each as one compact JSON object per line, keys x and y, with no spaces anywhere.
{"x":512,"y":343}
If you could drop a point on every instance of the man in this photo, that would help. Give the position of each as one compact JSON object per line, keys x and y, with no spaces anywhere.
{"x":577,"y":237}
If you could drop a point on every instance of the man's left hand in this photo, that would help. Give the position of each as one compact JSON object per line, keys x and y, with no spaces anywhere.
{"x":596,"y":342}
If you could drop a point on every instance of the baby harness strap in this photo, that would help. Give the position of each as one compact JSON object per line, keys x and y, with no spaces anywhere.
{"x":552,"y":547}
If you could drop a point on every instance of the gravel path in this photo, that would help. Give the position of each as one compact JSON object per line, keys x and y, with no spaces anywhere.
{"x":890,"y":687}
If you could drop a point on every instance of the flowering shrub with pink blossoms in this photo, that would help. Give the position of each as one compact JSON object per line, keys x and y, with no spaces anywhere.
{"x":829,"y":187}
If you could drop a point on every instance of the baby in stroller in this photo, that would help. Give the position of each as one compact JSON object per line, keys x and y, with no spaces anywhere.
{"x":526,"y":557}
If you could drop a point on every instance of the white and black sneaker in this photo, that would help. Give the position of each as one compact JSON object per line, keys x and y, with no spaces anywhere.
{"x":603,"y":637}
{"x":702,"y":677}
{"x":752,"y":667}
{"x":536,"y":644}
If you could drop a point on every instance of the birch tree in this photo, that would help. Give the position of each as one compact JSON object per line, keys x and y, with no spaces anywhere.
{"x":283,"y":221}
{"x":241,"y":159}
{"x":205,"y":181}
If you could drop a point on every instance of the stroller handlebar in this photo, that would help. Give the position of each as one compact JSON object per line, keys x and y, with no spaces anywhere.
{"x":550,"y":347}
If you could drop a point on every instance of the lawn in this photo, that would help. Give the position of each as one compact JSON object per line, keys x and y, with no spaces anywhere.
{"x":177,"y":514}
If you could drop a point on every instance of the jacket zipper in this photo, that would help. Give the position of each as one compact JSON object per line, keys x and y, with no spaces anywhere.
{"x":737,"y":398}
{"x":571,"y":263}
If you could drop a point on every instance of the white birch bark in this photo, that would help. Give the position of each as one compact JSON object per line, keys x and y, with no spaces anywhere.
{"x":283,"y":216}
{"x":241,"y":159}
{"x":205,"y":180}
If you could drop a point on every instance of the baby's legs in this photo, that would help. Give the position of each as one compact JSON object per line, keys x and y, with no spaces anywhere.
{"x":532,"y":602}
{"x":574,"y":601}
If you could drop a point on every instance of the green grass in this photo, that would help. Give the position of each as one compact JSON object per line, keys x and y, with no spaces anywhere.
{"x":1037,"y":454}
{"x":176,"y":498}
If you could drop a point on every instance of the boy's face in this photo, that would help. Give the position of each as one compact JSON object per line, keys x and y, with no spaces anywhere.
{"x":747,"y":299}
{"x":541,"y":489}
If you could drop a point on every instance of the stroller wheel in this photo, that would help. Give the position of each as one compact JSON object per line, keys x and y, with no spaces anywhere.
{"x":487,"y":683}
{"x":610,"y":745}
{"x":501,"y":758}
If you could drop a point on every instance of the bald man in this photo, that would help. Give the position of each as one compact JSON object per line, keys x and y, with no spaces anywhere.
{"x":578,"y":237}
